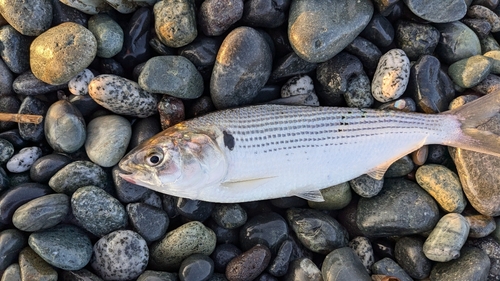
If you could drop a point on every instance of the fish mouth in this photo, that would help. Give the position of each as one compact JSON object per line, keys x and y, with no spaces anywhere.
{"x":128,"y":177}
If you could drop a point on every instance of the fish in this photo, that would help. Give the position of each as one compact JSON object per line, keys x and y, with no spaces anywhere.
{"x":271,"y":151}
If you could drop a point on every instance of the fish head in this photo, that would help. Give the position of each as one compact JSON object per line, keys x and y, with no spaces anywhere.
{"x":178,"y":161}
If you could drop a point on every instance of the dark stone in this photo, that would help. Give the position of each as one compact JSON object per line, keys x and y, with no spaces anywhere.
{"x":379,"y":31}
{"x":47,"y":166}
{"x":202,"y":51}
{"x":291,"y":65}
{"x":150,"y":222}
{"x":279,"y":35}
{"x":168,"y":203}
{"x":161,"y":48}
{"x":12,"y":241}
{"x":16,"y":196}
{"x":343,"y":264}
{"x":492,"y":248}
{"x":385,"y":7}
{"x":279,"y":266}
{"x":27,"y":84}
{"x":473,"y":264}
{"x":15,"y":49}
{"x":200,"y":106}
{"x":14,"y":138}
{"x":85,"y":104}
{"x":216,"y":16}
{"x":29,"y":131}
{"x":366,"y":51}
{"x":269,"y":229}
{"x":194,"y":210}
{"x":383,"y":248}
{"x":481,"y":27}
{"x":110,"y":66}
{"x":249,"y":264}
{"x":222,"y":234}
{"x":197,"y":267}
{"x":416,"y":39}
{"x":64,"y":127}
{"x":303,"y":269}
{"x":347,"y":218}
{"x":409,"y":254}
{"x":6,"y":78}
{"x":64,"y":13}
{"x":223,"y":254}
{"x":289,"y":202}
{"x":388,"y":267}
{"x":8,"y":104}
{"x":439,"y":10}
{"x":268,"y":93}
{"x":456,"y":42}
{"x":265,"y":13}
{"x":171,"y":111}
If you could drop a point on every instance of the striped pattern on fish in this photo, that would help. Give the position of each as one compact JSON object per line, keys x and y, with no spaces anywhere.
{"x":270,"y":151}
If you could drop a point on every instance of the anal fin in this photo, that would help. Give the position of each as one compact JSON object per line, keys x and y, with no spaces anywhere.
{"x":313,"y":195}
{"x":379,"y":171}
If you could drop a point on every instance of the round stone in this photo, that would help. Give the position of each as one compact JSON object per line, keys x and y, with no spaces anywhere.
{"x":30,"y":17}
{"x":468,"y":72}
{"x":179,"y":14}
{"x":72,"y":48}
{"x":79,"y":85}
{"x":391,"y":77}
{"x":46,"y":166}
{"x":41,"y":213}
{"x":343,"y":264}
{"x":63,"y":246}
{"x":64,"y":127}
{"x":172,"y":75}
{"x":336,"y":197}
{"x":120,"y":255}
{"x":77,"y":174}
{"x":108,"y":34}
{"x":298,"y":85}
{"x":248,"y":265}
{"x":473,"y":264}
{"x":107,"y":139}
{"x":97,"y":211}
{"x":265,"y":13}
{"x":150,"y":222}
{"x":279,"y":265}
{"x":438,"y":11}
{"x":22,"y":161}
{"x":366,"y":186}
{"x":229,"y":215}
{"x":197,"y":267}
{"x":12,"y":241}
{"x":447,"y":238}
{"x":416,"y":39}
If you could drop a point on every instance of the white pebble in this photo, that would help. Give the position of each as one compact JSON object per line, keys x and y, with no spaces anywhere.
{"x":298,"y":85}
{"x":22,"y":161}
{"x":392,"y":76}
{"x":79,"y":85}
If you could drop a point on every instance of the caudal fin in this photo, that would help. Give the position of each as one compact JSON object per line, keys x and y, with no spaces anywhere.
{"x":473,"y":114}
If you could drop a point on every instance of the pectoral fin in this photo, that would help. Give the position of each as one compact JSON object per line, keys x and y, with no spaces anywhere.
{"x":247,"y":184}
{"x":379,"y":171}
{"x":314,"y":195}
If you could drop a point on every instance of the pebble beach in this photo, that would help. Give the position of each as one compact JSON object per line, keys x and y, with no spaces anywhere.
{"x":107,"y":75}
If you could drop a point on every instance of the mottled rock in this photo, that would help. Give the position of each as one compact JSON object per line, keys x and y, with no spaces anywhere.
{"x":447,"y":238}
{"x":468,"y":72}
{"x":249,"y":264}
{"x":64,"y":127}
{"x":438,"y":11}
{"x":269,"y":229}
{"x":108,"y":34}
{"x":22,"y":161}
{"x":416,"y":39}
{"x":33,"y":267}
{"x":479,"y":225}
{"x":217,"y":16}
{"x":366,"y":186}
{"x":473,"y":264}
{"x":364,"y":250}
{"x":6,"y":151}
{"x":457,"y":42}
{"x":343,"y":264}
{"x":41,"y":213}
{"x":391,"y":76}
{"x":291,"y":65}
{"x":481,"y":12}
{"x":178,"y":13}
{"x":30,"y":18}
{"x":229,"y":215}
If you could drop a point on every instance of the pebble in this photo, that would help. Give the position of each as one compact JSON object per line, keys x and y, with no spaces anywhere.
{"x":379,"y":31}
{"x":492,"y":248}
{"x":79,"y":85}
{"x":481,"y":12}
{"x":303,"y":269}
{"x":107,"y":139}
{"x":79,"y":275}
{"x":41,"y":213}
{"x":109,"y":35}
{"x":447,"y":238}
{"x":336,"y":197}
{"x":64,"y":127}
{"x":317,"y":231}
{"x":223,"y":254}
{"x":473,"y":264}
{"x":468,"y":72}
{"x":318,"y":30}
{"x":6,"y":151}
{"x":279,"y":265}
{"x":194,"y":209}
{"x":172,"y":75}
{"x":242,"y":67}
{"x":4,"y":180}
{"x":22,"y":161}
{"x":202,"y":51}
{"x":479,"y":225}
{"x":457,"y":42}
{"x":249,"y":264}
{"x":30,"y":18}
{"x":63,"y":246}
{"x":481,"y":27}
{"x":6,"y":79}
{"x":150,"y":275}
{"x":438,"y":11}
{"x":265,"y":14}
{"x":47,"y":166}
{"x":297,"y":85}
{"x":343,"y":264}
{"x":150,"y":222}
{"x":89,"y":7}
{"x":122,"y":96}
{"x":417,"y":39}
{"x":269,"y":229}
{"x":77,"y":174}
{"x":443,"y":185}
{"x":33,"y":267}
{"x":15,"y":50}
{"x":229,"y":216}
{"x":16,"y":196}
{"x":178,"y":13}
{"x":197,"y":267}
{"x":366,"y":186}
{"x":391,"y":76}
{"x":387,"y":266}
{"x":390,"y":212}
{"x":216,"y":16}
{"x":28,"y":131}
{"x":12,"y":273}
{"x":290,"y":65}
{"x":73,"y":47}
{"x":190,"y":238}
{"x":494,"y":57}
{"x":27,"y":84}
{"x":63,"y":13}
{"x":12,"y":241}
{"x":97,"y":211}
{"x":402,"y":167}
{"x":363,"y":248}
{"x":409,"y":254}
{"x":120,"y":255}
{"x":366,"y":51}
{"x":124,"y":7}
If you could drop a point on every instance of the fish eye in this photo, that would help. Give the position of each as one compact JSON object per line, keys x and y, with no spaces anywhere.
{"x":154,"y":159}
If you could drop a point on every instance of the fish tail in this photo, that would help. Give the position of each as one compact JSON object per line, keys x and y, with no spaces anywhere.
{"x":470,"y":116}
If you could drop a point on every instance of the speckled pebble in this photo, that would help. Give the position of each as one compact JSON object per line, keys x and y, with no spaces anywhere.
{"x":33,"y":267}
{"x":178,"y":13}
{"x":229,"y":215}
{"x":122,"y":96}
{"x":79,"y":85}
{"x":22,"y":161}
{"x":41,"y":213}
{"x":120,"y":255}
{"x":150,"y":222}
{"x":468,"y":72}
{"x":77,"y":174}
{"x":28,"y":131}
{"x":6,"y":151}
{"x":298,"y":85}
{"x":366,"y":186}
{"x":249,"y":264}
{"x":30,"y":18}
{"x":63,"y":246}
{"x":358,"y":92}
{"x":363,"y":248}
{"x":400,"y":168}
{"x":447,"y":238}
{"x":392,"y":75}
{"x":190,"y":238}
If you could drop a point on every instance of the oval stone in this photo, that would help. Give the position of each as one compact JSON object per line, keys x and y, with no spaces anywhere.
{"x":447,"y":238}
{"x":457,"y":42}
{"x":122,"y":96}
{"x":63,"y":246}
{"x":438,"y":10}
{"x":41,"y":213}
{"x":108,"y":34}
{"x":12,"y":241}
{"x":473,"y":264}
{"x":242,"y":67}
{"x":248,"y":265}
{"x":107,"y":139}
{"x":22,"y":161}
{"x":77,"y":174}
{"x":318,"y":30}
{"x":30,"y":17}
{"x":175,"y":22}
{"x":468,"y":72}
{"x":16,"y":196}
{"x":62,"y":52}
{"x":64,"y":127}
{"x":343,"y":264}
{"x":391,"y":76}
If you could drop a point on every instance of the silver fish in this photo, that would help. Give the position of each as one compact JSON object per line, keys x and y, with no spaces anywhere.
{"x":271,"y":151}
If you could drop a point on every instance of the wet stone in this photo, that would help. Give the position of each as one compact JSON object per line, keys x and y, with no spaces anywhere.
{"x":379,"y":31}
{"x":387,"y":266}
{"x":79,"y":275}
{"x":202,"y":51}
{"x":303,"y":269}
{"x":178,"y":13}
{"x":16,"y":196}
{"x":400,"y":168}
{"x":73,"y":48}
{"x":222,"y":234}
{"x":343,"y":264}
{"x":33,"y":267}
{"x":197,"y":267}
{"x":41,"y":213}
{"x":15,"y":50}
{"x":410,"y":256}
{"x":391,"y":76}
{"x":249,"y":264}
{"x":63,"y":246}
{"x":492,"y":248}
{"x":467,"y":73}
{"x":151,"y":275}
{"x":265,"y":13}
{"x":269,"y":229}
{"x":190,"y":238}
{"x":108,"y":34}
{"x":406,"y":209}
{"x":12,"y":273}
{"x":336,"y":197}
{"x":172,"y":75}
{"x":291,"y":65}
{"x":194,"y":209}
{"x":64,"y":127}
{"x":34,"y":106}
{"x":171,"y":111}
{"x":77,"y":174}
{"x":447,"y":238}
{"x":28,"y":84}
{"x":8,"y":104}
{"x":12,"y":241}
{"x":318,"y":30}
{"x":6,"y":151}
{"x":122,"y":96}
{"x":366,"y":51}
{"x":223,"y":254}
{"x":97,"y":211}
{"x":473,"y":264}
{"x":366,"y":186}
{"x":120,"y":255}
{"x":6,"y":79}
{"x":150,"y":222}
{"x":47,"y":166}
{"x":317,"y":231}
{"x":217,"y":16}
{"x":229,"y":215}
{"x":416,"y":39}
{"x":479,"y":225}
{"x":279,"y":265}
{"x":481,"y":27}
{"x":457,"y":42}
{"x":22,"y":161}
{"x":30,"y":18}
